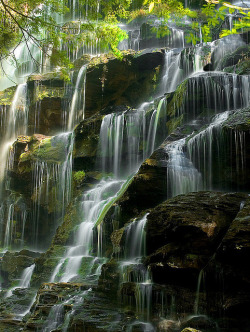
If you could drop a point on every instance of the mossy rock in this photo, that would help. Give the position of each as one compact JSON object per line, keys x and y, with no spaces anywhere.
{"x":7,"y":95}
{"x":239,"y":60}
{"x":241,"y":68}
{"x":79,"y":177}
{"x":52,"y":79}
{"x":239,"y":120}
{"x":177,"y":100}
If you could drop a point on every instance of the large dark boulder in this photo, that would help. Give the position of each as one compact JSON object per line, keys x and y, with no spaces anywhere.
{"x":128,"y":81}
{"x":184,"y":232}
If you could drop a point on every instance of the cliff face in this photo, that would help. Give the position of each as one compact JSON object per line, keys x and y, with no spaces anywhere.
{"x":137,"y":216}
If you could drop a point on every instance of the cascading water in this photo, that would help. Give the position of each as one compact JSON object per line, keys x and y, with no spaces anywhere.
{"x":92,"y":204}
{"x":126,"y":139}
{"x":132,"y":269}
{"x":24,"y":280}
{"x":219,"y":92}
{"x":131,"y":134}
{"x":182,"y":176}
{"x":78,"y":101}
{"x":200,"y":147}
{"x":16,"y":124}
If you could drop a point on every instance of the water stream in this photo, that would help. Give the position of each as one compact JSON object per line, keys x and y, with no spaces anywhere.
{"x":90,"y":207}
{"x":126,"y":139}
{"x":24,"y":280}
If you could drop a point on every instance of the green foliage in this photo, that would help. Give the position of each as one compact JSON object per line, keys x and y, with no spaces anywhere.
{"x":79,"y":177}
{"x":34,"y":22}
{"x":238,"y":26}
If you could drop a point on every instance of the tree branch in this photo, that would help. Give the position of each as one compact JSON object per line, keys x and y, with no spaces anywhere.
{"x":227,"y":5}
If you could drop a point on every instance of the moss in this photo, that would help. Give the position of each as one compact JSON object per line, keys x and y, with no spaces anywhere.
{"x":241,"y":68}
{"x":86,"y":266}
{"x":105,"y":58}
{"x":79,"y":177}
{"x":177,"y":99}
{"x":56,"y":75}
{"x":239,"y":120}
{"x":47,"y":149}
{"x":42,"y":92}
{"x":6,"y":96}
{"x":56,"y":251}
{"x":116,"y":238}
{"x":71,"y":219}
{"x":174,"y":123}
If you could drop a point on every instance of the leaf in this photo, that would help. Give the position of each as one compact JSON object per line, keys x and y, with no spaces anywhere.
{"x":151,"y":7}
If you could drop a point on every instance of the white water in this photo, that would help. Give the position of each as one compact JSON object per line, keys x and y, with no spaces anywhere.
{"x":132,"y":269}
{"x":83,"y":242}
{"x":24,"y":280}
{"x":126,"y":139}
{"x":135,"y":244}
{"x":77,"y":106}
{"x":182,"y":176}
{"x":91,"y":206}
{"x":17,"y":122}
{"x":200,"y":146}
{"x":53,"y":177}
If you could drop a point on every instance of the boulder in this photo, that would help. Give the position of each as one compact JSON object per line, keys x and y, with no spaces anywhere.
{"x":111,"y":81}
{"x":184,"y":232}
{"x":13,"y":264}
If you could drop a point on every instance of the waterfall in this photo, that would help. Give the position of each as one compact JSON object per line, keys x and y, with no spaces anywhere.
{"x":182,"y":176}
{"x":17,"y":122}
{"x":13,"y":214}
{"x":132,"y":135}
{"x":200,"y":148}
{"x":52,"y":182}
{"x":24,"y":280}
{"x":132,"y":269}
{"x":225,"y":46}
{"x":92,"y":204}
{"x":78,"y":101}
{"x":135,"y":239}
{"x":179,"y":66}
{"x":219,"y":92}
{"x":55,"y":318}
{"x":126,"y":139}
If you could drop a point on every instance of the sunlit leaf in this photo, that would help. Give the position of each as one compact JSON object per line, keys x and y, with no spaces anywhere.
{"x":151,"y":7}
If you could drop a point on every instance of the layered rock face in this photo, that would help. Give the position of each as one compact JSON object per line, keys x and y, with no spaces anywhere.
{"x":141,"y":210}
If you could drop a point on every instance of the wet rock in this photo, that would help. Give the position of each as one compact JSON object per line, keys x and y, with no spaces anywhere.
{"x":238,"y":120}
{"x":201,"y":322}
{"x":225,"y":49}
{"x":184,"y":232}
{"x":237,"y":62}
{"x":110,"y":81}
{"x":230,"y":259}
{"x":13,"y":263}
{"x":86,"y":143}
{"x":47,"y":96}
{"x":168,"y":326}
{"x":109,"y":279}
{"x":48,"y":295}
{"x":235,"y":246}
